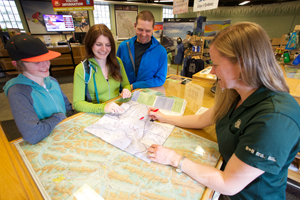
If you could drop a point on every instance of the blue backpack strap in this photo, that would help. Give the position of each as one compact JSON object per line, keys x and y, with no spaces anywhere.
{"x":87,"y":71}
{"x":120,"y":89}
{"x":87,"y":67}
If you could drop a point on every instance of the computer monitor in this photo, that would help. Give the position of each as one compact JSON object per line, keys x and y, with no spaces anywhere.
{"x":4,"y":37}
{"x":59,"y":23}
{"x":79,"y":37}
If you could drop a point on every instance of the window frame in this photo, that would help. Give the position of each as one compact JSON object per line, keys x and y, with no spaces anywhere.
{"x":106,"y":15}
{"x":9,"y":15}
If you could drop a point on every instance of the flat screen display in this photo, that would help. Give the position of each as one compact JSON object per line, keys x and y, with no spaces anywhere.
{"x":59,"y":23}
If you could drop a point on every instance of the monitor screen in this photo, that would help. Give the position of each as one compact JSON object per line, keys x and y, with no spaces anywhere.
{"x":79,"y":37}
{"x":59,"y":23}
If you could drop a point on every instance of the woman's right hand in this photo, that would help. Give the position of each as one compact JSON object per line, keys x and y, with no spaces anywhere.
{"x":113,"y":108}
{"x":163,"y":155}
{"x":156,"y":115}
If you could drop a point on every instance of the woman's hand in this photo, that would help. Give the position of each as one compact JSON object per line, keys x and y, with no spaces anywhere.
{"x":163,"y":155}
{"x":125,"y":94}
{"x":156,"y":115}
{"x":113,"y":108}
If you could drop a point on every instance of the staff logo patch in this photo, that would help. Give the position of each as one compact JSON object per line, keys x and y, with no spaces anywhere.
{"x":238,"y":123}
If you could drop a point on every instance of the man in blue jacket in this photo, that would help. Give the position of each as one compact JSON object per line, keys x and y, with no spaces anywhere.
{"x":144,"y":59}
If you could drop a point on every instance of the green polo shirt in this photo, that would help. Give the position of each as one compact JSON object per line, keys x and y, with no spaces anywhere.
{"x":264,"y":133}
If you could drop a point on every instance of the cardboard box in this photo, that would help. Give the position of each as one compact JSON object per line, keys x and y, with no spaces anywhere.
{"x":188,"y":37}
{"x":198,"y":38}
{"x":283,"y":39}
{"x":276,"y":41}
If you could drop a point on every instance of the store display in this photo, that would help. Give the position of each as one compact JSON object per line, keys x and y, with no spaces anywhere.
{"x":198,"y":26}
{"x":286,"y":57}
{"x":179,"y":52}
{"x":297,"y":60}
{"x":192,"y":66}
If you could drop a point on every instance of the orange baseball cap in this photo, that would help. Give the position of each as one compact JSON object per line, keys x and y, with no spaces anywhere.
{"x":29,"y":48}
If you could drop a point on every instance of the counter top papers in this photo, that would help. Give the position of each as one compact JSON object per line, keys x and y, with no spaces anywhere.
{"x":127,"y":132}
{"x":155,"y":99}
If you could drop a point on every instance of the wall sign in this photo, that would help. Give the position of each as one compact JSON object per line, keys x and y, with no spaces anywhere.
{"x":180,"y":6}
{"x":72,"y":5}
{"x":200,"y":5}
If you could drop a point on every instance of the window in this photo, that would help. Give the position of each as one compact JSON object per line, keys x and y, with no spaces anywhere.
{"x":102,"y":15}
{"x":168,"y":13}
{"x":9,"y":15}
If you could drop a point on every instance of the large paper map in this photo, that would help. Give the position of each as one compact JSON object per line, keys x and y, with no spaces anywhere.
{"x":125,"y":23}
{"x":71,"y":157}
{"x":127,"y":132}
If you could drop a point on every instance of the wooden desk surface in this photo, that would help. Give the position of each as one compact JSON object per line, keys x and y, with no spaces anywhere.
{"x":209,"y":78}
{"x":294,"y":84}
{"x":16,"y":181}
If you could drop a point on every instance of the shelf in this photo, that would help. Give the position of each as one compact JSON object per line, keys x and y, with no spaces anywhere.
{"x":294,"y":175}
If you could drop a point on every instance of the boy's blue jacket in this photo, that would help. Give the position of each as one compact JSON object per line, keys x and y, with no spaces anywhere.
{"x":36,"y":110}
{"x":153,"y":67}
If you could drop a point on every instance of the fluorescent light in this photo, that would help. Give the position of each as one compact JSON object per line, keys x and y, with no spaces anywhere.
{"x":243,"y":3}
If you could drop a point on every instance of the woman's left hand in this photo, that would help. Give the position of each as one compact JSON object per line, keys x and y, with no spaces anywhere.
{"x":163,"y":155}
{"x":125,"y":94}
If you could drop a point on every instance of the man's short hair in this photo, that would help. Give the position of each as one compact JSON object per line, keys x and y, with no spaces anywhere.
{"x":146,"y":15}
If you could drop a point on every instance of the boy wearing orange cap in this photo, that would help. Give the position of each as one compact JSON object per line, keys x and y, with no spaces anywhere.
{"x":36,"y":99}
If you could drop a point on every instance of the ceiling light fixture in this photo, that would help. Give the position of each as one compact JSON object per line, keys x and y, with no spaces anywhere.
{"x":243,"y":3}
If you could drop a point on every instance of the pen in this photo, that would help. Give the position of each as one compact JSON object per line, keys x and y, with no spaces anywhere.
{"x":147,"y":115}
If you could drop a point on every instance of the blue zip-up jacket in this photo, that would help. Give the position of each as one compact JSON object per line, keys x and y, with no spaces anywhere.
{"x":36,"y":110}
{"x":153,"y":67}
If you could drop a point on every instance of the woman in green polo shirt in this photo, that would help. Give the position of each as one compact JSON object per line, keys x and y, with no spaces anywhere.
{"x":257,"y":120}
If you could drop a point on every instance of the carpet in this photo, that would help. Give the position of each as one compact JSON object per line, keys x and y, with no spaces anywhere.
{"x":174,"y":66}
{"x":292,"y":190}
{"x":11,"y":130}
{"x":1,"y":87}
{"x":65,"y":76}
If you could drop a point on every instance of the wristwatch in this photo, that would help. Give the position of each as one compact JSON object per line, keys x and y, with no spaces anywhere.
{"x":178,"y":169}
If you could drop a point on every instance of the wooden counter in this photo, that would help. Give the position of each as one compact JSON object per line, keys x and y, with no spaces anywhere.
{"x":294,"y":84}
{"x":207,"y":77}
{"x":16,"y":181}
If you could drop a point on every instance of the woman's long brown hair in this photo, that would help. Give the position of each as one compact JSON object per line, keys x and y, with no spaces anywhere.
{"x":90,"y":39}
